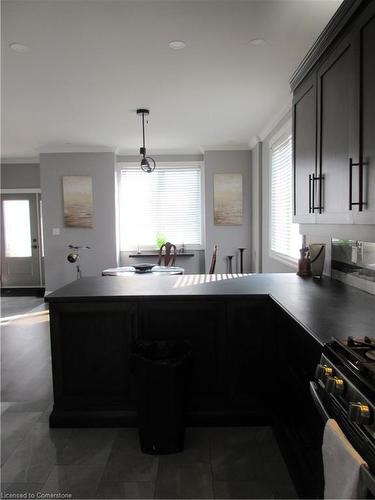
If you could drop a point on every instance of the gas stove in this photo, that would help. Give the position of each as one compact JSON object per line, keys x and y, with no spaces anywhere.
{"x":357,"y":358}
{"x":344,"y":389}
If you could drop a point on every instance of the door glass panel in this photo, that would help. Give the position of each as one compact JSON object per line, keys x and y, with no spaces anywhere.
{"x":17,"y":231}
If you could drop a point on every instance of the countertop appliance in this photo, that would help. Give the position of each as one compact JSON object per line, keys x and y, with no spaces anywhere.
{"x":344,"y":389}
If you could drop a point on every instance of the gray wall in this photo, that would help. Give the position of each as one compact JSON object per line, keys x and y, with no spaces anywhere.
{"x":20,"y":175}
{"x":256,"y":205}
{"x":228,"y":238}
{"x":101,"y":238}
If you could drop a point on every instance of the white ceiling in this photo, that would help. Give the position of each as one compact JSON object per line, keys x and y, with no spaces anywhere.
{"x":92,"y":63}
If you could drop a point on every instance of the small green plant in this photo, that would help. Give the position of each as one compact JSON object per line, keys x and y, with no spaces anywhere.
{"x":160,"y":240}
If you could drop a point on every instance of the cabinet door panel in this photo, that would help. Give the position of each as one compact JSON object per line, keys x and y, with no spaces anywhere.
{"x":249,"y":350}
{"x":367,"y":117}
{"x":336,"y":138}
{"x":91,"y":344}
{"x":304,"y":151}
{"x":179,"y":320}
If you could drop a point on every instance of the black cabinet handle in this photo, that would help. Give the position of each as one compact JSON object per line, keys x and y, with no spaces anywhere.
{"x":360,"y":187}
{"x":350,"y":183}
{"x":312,"y":179}
{"x":360,"y":203}
{"x":320,"y":179}
{"x":313,"y":193}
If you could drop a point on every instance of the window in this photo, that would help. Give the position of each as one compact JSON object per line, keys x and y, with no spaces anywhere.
{"x":17,"y":230}
{"x":165,"y":203}
{"x":284,"y":235}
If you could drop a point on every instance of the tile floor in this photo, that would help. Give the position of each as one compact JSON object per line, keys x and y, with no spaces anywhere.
{"x":235,"y":462}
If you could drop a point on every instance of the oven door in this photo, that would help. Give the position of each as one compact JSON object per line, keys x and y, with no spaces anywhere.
{"x":367,"y":478}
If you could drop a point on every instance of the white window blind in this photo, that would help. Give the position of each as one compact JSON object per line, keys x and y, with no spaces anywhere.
{"x":166,"y":202}
{"x":285,"y":239}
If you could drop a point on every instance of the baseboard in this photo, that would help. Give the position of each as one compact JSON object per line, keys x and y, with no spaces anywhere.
{"x":22,"y":291}
{"x":128,"y":418}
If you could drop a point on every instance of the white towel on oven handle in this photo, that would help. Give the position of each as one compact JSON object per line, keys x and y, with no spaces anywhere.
{"x":342,"y":464}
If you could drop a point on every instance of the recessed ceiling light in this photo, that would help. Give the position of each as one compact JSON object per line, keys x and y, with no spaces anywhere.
{"x":177,"y":44}
{"x":19,"y":47}
{"x":258,"y":41}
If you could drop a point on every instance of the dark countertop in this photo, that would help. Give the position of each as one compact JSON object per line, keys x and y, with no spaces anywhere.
{"x":325,"y":308}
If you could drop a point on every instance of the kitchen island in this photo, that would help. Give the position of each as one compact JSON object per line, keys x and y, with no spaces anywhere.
{"x":244,"y":329}
{"x":256,"y":341}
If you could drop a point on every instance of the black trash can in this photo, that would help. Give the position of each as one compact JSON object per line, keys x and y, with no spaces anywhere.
{"x":161,"y":371}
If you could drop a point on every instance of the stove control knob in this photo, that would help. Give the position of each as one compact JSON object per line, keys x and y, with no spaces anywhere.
{"x":335,"y":386}
{"x":359,"y":413}
{"x":323,"y":371}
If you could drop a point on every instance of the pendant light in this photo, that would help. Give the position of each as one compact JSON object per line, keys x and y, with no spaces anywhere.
{"x":148,"y":164}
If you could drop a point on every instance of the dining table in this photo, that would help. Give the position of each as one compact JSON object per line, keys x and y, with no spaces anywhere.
{"x":153,"y":271}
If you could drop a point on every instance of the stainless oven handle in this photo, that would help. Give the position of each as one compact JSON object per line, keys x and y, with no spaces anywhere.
{"x":318,"y":402}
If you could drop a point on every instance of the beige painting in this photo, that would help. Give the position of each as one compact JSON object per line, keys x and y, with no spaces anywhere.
{"x":78,"y":206}
{"x":228,"y":199}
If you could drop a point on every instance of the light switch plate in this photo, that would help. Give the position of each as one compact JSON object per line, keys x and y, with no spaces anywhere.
{"x":55,"y":231}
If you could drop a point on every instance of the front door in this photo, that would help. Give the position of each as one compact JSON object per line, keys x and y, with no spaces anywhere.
{"x":20,"y":240}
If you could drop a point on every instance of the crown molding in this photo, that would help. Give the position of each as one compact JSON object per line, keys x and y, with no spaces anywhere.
{"x":254,"y":141}
{"x":158,"y":152}
{"x":331,"y":32}
{"x":218,"y":147}
{"x":76,"y":148}
{"x":275,"y":120}
{"x":272,"y":123}
{"x":26,"y":160}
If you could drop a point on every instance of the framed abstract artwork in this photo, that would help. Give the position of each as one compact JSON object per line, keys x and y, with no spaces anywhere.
{"x":78,"y":202}
{"x":228,"y":203}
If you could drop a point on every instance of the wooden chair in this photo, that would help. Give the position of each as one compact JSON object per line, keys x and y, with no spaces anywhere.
{"x":213,"y":261}
{"x":168,"y":252}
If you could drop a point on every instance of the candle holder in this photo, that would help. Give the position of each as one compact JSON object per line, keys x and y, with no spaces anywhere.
{"x":230,"y":257}
{"x":241,"y":259}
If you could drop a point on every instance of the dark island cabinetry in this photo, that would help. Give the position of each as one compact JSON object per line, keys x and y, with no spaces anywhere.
{"x":249,"y":346}
{"x":202,"y":323}
{"x":92,"y":344}
{"x":256,"y":341}
{"x":298,"y":426}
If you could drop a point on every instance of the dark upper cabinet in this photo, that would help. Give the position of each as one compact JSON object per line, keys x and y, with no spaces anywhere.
{"x":336,"y":101}
{"x":365,"y":38}
{"x":336,"y":123}
{"x":304,"y":152}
